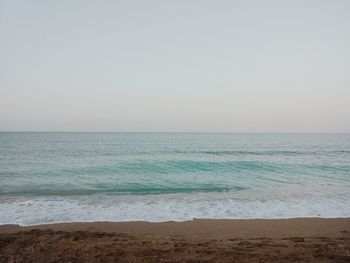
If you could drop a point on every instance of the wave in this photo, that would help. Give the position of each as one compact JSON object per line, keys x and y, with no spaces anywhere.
{"x":108,"y":190}
{"x":237,"y":153}
{"x":170,"y":176}
{"x":178,"y":166}
{"x":284,"y":203}
{"x":220,"y":152}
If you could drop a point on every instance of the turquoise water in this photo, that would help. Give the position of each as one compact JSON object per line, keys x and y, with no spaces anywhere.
{"x":171,"y":176}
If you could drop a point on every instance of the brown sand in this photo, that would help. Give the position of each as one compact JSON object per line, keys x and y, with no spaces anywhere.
{"x":282,"y":240}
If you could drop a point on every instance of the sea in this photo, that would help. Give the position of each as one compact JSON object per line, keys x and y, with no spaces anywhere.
{"x":66,"y":177}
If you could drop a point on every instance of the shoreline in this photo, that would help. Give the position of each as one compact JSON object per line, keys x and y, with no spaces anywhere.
{"x":199,"y":240}
{"x":209,"y":227}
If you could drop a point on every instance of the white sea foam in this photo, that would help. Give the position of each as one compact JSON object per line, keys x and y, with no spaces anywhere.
{"x":286,"y":203}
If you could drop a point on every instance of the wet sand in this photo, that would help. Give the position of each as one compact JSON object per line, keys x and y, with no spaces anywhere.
{"x":257,"y":240}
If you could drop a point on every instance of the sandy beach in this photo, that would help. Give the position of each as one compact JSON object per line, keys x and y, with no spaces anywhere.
{"x":256,"y":240}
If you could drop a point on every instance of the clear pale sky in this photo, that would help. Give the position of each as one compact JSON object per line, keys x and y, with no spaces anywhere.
{"x":231,"y":66}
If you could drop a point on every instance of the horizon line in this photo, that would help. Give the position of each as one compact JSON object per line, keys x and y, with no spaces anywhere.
{"x":228,"y":132}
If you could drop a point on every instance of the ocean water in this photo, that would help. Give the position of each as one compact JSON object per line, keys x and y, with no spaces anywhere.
{"x":64,"y":177}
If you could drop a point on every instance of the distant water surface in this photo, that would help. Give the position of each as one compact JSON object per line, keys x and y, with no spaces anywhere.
{"x":60,"y":177}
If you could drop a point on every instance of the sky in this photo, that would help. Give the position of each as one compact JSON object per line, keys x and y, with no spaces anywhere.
{"x":175,"y":66}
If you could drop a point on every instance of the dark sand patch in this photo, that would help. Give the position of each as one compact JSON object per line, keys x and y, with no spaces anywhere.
{"x":167,"y":242}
